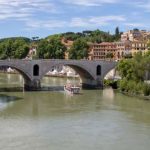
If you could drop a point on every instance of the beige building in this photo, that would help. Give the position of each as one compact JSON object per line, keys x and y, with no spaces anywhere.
{"x":135,"y":35}
{"x":139,"y":46}
{"x":116,"y":50}
{"x":102,"y":51}
{"x":123,"y":48}
{"x":131,"y":35}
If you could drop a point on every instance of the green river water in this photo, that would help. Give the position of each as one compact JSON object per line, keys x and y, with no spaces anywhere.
{"x":54,"y":120}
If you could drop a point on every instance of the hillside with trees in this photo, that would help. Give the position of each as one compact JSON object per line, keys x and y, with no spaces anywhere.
{"x":95,"y":36}
{"x":52,"y":47}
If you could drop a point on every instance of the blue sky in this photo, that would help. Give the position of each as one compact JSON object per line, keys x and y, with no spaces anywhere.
{"x":45,"y":17}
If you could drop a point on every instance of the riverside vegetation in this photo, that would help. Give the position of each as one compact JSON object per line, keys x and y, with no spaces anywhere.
{"x":134,"y":73}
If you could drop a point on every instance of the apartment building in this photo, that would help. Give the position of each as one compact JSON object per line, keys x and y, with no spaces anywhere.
{"x":139,"y":46}
{"x":132,"y":35}
{"x":123,"y":48}
{"x":135,"y":35}
{"x":102,"y":51}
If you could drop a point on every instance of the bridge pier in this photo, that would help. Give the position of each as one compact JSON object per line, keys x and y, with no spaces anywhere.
{"x":92,"y":84}
{"x":33,"y":85}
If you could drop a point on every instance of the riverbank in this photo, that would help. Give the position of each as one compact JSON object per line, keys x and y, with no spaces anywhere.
{"x":47,"y":75}
{"x":135,"y":95}
{"x":116,"y":86}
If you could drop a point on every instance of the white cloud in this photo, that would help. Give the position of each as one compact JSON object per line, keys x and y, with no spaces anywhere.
{"x":96,"y":21}
{"x":135,"y":25}
{"x":89,"y":22}
{"x":90,"y":2}
{"x":23,"y":9}
{"x":144,"y":5}
{"x":45,"y":24}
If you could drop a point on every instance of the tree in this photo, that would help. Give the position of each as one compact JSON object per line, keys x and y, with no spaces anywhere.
{"x":109,"y":55}
{"x":117,"y":31}
{"x":125,"y":69}
{"x":79,"y":50}
{"x":133,"y":72}
{"x":148,"y":45}
{"x":127,"y":56}
{"x":51,"y":48}
{"x":14,"y":48}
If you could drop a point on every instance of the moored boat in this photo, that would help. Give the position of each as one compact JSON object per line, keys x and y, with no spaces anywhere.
{"x":72,"y":89}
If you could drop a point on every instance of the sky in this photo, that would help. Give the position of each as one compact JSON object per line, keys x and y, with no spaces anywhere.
{"x":41,"y":18}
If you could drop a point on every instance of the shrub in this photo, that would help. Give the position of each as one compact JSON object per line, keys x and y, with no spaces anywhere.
{"x":112,"y":83}
{"x":146,"y":89}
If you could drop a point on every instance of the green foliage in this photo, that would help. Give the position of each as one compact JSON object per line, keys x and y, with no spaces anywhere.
{"x":148,"y":45}
{"x":109,"y":55}
{"x":133,"y":69}
{"x":27,"y":40}
{"x":51,"y":48}
{"x":127,"y":56}
{"x":112,"y":83}
{"x":117,"y":33}
{"x":93,"y":36}
{"x":79,"y":49}
{"x":133,"y":73}
{"x":125,"y":69}
{"x":131,"y":86}
{"x":14,"y":48}
{"x":146,"y":89}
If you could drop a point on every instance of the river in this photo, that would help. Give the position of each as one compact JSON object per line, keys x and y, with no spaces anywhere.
{"x":53,"y":120}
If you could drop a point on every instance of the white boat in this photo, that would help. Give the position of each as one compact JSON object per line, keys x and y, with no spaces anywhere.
{"x":72,"y":89}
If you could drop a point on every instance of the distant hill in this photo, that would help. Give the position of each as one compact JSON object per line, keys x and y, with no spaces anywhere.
{"x":88,"y":35}
{"x":28,"y":40}
{"x":97,"y":36}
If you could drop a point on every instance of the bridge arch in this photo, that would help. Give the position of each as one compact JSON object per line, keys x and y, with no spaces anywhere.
{"x":109,"y":70}
{"x":83,"y":72}
{"x":25,"y":75}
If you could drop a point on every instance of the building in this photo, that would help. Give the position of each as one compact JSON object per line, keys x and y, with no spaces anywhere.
{"x":135,"y":35}
{"x":116,"y":50}
{"x":32,"y":52}
{"x":123,"y":49}
{"x":103,"y":51}
{"x":139,"y":46}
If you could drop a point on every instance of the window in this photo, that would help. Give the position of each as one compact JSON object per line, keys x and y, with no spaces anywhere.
{"x":98,"y":70}
{"x":36,"y":70}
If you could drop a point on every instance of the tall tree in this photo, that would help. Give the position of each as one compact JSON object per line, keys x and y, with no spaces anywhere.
{"x":79,"y":50}
{"x":117,"y":32}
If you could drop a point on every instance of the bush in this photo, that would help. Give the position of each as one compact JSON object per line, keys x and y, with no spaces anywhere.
{"x":112,"y":83}
{"x":123,"y":85}
{"x":146,"y":89}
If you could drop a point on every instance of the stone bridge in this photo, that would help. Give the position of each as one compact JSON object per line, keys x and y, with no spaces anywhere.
{"x":91,"y":73}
